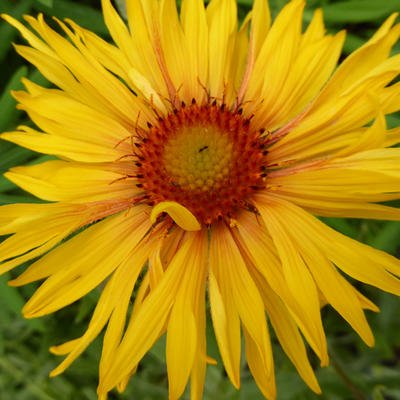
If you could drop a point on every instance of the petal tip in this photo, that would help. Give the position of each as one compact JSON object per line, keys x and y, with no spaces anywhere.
{"x":181,"y":215}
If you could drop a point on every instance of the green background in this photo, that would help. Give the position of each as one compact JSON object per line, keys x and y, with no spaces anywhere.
{"x":356,"y":371}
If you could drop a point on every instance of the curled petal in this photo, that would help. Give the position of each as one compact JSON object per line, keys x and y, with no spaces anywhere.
{"x":181,"y":215}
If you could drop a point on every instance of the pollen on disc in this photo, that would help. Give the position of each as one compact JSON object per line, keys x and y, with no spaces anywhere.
{"x":204,"y":157}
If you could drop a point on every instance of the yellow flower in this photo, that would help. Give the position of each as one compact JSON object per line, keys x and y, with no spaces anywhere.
{"x":197,"y":155}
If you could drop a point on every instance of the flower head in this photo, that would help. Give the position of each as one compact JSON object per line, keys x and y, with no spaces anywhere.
{"x":197,"y":156}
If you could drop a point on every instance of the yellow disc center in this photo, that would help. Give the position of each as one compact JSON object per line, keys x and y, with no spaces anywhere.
{"x":198,"y":157}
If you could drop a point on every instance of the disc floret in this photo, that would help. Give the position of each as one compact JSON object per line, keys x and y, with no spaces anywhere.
{"x":206,"y":158}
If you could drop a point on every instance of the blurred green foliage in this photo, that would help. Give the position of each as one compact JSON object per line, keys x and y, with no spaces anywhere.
{"x":356,"y":372}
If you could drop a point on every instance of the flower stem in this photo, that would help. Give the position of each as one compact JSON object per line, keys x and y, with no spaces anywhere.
{"x":357,"y":394}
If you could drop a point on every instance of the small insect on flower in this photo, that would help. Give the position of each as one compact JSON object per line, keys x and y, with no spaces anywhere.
{"x":198,"y":156}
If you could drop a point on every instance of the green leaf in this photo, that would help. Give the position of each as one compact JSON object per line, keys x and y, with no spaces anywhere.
{"x":387,"y":318}
{"x":11,"y":300}
{"x":359,"y":10}
{"x":82,"y":14}
{"x":11,"y":199}
{"x":393,"y":121}
{"x":8,"y":32}
{"x":158,"y":349}
{"x":47,"y":3}
{"x":9,"y":296}
{"x":353,"y":42}
{"x":5,"y":185}
{"x":14,"y":156}
{"x":342,"y":225}
{"x":387,"y":239}
{"x":7,"y":102}
{"x":121,"y":5}
{"x":1,"y":344}
{"x":38,"y":78}
{"x":377,"y":393}
{"x":86,"y":305}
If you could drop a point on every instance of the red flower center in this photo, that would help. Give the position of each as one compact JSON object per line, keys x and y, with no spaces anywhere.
{"x":205,"y":158}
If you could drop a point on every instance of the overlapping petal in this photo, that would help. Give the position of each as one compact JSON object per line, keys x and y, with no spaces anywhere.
{"x":327,"y":154}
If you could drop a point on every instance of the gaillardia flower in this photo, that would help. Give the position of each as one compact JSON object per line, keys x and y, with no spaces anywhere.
{"x":198,"y":156}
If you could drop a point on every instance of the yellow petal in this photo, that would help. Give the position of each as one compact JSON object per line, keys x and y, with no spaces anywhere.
{"x":117,"y":28}
{"x":265,"y":380}
{"x":175,"y":51}
{"x":309,"y":72}
{"x":226,"y":326}
{"x":335,"y":288}
{"x":29,"y":241}
{"x":66,"y":181}
{"x":60,"y":146}
{"x":338,"y":208}
{"x":181,"y":215}
{"x":194,"y":23}
{"x":358,"y":260}
{"x":127,"y":275}
{"x":315,"y":30}
{"x":326,"y":121}
{"x":222,"y":22}
{"x":87,"y":268}
{"x":201,"y":359}
{"x":182,"y":336}
{"x":276,"y":57}
{"x":181,"y":347}
{"x":366,"y":304}
{"x":117,"y":97}
{"x":340,"y":184}
{"x":113,"y":302}
{"x":363,"y":60}
{"x":263,"y":254}
{"x":144,"y":86}
{"x":105,"y":53}
{"x":33,"y":40}
{"x":80,"y":121}
{"x":156,"y":270}
{"x":374,"y":137}
{"x":38,"y":250}
{"x":19,"y":217}
{"x":287,"y":332}
{"x":261,"y":20}
{"x":142,"y":32}
{"x":245,"y":295}
{"x":297,"y":275}
{"x":244,"y":63}
{"x":53,"y":70}
{"x":146,"y":325}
